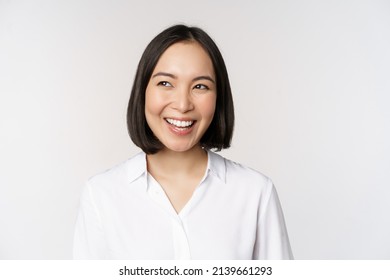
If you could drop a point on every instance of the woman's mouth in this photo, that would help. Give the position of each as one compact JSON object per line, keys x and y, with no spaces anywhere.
{"x":180,"y":125}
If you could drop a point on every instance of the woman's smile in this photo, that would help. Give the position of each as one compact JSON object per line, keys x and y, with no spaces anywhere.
{"x":180,"y":127}
{"x":180,"y":123}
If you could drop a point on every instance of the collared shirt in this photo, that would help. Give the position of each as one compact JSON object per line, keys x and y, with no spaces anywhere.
{"x":234,"y":213}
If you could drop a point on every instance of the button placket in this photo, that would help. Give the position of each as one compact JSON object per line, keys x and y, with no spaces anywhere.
{"x":180,"y":240}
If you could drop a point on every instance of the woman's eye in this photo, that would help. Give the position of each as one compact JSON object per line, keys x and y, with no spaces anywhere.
{"x":164,"y":84}
{"x":201,"y":86}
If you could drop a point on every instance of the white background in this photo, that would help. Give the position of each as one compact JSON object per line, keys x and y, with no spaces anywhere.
{"x":311,"y":85}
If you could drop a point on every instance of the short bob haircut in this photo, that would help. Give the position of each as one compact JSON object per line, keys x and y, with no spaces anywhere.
{"x":219,"y":134}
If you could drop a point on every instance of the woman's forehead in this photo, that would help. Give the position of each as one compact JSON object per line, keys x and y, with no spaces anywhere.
{"x":185,"y":59}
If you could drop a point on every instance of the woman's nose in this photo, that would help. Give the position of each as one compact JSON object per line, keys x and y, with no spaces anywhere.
{"x":183,"y":101}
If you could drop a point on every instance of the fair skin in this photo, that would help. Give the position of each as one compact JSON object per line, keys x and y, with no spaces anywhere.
{"x":180,"y":103}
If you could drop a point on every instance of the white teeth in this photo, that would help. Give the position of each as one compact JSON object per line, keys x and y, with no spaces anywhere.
{"x":180,"y":123}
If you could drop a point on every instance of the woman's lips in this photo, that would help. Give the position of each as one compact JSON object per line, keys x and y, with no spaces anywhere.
{"x":180,"y":127}
{"x":180,"y":123}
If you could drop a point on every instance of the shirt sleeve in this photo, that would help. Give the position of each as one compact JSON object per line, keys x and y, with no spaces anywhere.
{"x":88,"y":242}
{"x":272,"y":241}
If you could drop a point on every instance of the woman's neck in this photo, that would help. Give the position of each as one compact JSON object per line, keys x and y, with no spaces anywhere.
{"x":170,"y":163}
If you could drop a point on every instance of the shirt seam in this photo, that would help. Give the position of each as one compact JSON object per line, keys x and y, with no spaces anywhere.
{"x":95,"y":208}
{"x":269,"y":182}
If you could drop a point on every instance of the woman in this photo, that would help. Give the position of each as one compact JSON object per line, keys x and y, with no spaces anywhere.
{"x":177,"y":199}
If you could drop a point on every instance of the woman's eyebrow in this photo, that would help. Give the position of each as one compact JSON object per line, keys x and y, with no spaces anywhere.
{"x":204,"y":78}
{"x":164,"y":74}
{"x":175,"y":77}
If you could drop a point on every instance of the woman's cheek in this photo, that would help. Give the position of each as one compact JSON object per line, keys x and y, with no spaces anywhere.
{"x":208,"y":106}
{"x":154,"y":102}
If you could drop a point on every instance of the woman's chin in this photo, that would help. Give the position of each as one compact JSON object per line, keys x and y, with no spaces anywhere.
{"x":181,"y":148}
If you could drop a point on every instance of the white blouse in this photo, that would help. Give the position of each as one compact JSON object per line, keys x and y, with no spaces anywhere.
{"x":233,"y":214}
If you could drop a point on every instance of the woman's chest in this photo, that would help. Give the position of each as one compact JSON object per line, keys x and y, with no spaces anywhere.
{"x":156,"y":233}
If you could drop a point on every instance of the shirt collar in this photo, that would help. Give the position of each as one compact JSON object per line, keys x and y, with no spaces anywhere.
{"x":137,"y":166}
{"x":217,"y":165}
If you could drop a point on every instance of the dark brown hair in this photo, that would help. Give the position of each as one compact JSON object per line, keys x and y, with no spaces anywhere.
{"x":219,"y":134}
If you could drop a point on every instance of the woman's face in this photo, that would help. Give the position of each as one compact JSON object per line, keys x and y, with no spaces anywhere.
{"x":181,"y":96}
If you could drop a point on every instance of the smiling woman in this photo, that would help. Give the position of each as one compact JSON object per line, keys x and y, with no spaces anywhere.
{"x":176,"y":199}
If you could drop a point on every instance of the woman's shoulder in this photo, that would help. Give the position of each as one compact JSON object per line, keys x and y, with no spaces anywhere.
{"x":238,"y":172}
{"x":121,"y":173}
